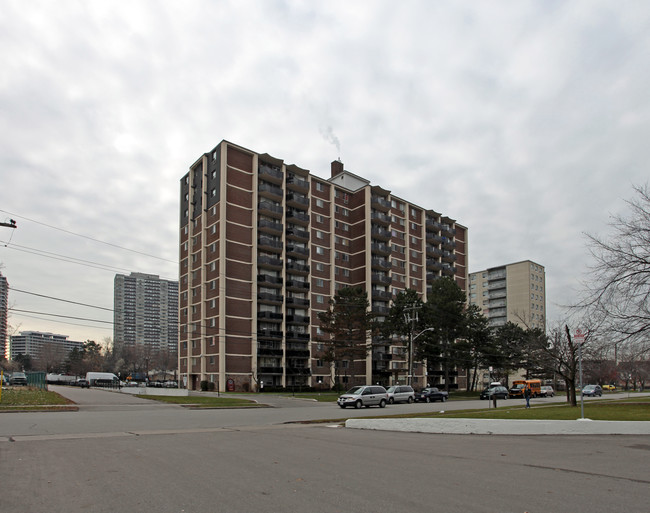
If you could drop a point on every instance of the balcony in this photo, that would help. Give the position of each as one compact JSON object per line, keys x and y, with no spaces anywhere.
{"x":433,"y":265}
{"x":269,"y":244}
{"x":494,"y":285}
{"x":380,"y":263}
{"x":298,"y":319}
{"x":298,"y":217}
{"x":270,"y":209}
{"x":270,"y":173}
{"x":435,"y":226}
{"x":381,"y":294}
{"x":267,"y":226}
{"x":297,"y":268}
{"x":266,"y":333}
{"x":297,"y":301}
{"x":448,"y":244}
{"x":381,"y":278}
{"x":380,"y":203}
{"x":269,"y":262}
{"x":379,"y":233}
{"x":296,"y":184}
{"x":270,"y":316}
{"x":268,"y":280}
{"x":298,"y":201}
{"x":447,"y":229}
{"x":297,"y":353}
{"x":270,"y":191}
{"x":380,"y":249}
{"x":448,"y":256}
{"x":269,"y":370}
{"x":267,"y":297}
{"x":433,"y":238}
{"x":448,"y":270}
{"x":432,"y":277}
{"x":298,"y":371}
{"x":297,"y":285}
{"x":380,"y":218}
{"x":433,"y":251}
{"x":294,"y":335}
{"x":297,"y":251}
{"x":269,"y":351}
{"x":295,"y":233}
{"x":380,"y":310}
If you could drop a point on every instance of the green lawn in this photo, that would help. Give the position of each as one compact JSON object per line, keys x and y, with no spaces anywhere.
{"x":203,"y":401}
{"x":28,"y":398}
{"x":624,"y":409}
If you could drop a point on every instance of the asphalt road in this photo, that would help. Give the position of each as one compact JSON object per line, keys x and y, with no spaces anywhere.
{"x":120,"y":453}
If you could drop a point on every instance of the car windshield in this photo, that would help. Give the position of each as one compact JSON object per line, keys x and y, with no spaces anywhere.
{"x":520,"y":386}
{"x":354,"y":390}
{"x":391,"y":389}
{"x":589,"y":387}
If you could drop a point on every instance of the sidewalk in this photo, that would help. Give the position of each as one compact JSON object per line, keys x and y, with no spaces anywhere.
{"x":503,"y":427}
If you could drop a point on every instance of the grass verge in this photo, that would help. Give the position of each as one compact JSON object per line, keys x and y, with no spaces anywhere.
{"x":204,"y":402}
{"x":32,"y":399}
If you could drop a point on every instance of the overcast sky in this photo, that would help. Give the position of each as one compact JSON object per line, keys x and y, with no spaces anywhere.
{"x":525,"y":121}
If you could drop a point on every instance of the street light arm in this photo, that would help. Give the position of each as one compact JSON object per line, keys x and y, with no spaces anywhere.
{"x":421,"y":333}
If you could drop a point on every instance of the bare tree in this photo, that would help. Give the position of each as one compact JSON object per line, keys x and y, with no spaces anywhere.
{"x":618,"y":292}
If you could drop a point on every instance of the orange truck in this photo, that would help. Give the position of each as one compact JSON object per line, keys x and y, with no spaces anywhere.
{"x":519,"y":385}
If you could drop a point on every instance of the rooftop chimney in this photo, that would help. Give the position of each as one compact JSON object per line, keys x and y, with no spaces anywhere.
{"x":337,"y":167}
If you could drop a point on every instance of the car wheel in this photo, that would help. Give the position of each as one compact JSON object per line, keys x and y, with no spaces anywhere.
{"x":443,"y":399}
{"x":358,"y":404}
{"x":382,"y":404}
{"x":391,"y":401}
{"x":410,"y":400}
{"x":428,"y":400}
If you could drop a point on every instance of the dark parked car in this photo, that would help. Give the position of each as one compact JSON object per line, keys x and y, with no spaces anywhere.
{"x":499,"y":392}
{"x":18,"y":378}
{"x":431,"y":394}
{"x":592,"y":391}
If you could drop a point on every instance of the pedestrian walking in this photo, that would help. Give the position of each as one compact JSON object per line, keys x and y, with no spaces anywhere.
{"x":527,"y":396}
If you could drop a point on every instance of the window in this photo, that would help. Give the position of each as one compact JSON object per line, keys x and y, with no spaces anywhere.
{"x":320,"y":219}
{"x":320,"y":282}
{"x":320,"y":266}
{"x":319,"y":234}
{"x":320,"y":203}
{"x":320,"y":187}
{"x":320,"y":299}
{"x":320,"y":250}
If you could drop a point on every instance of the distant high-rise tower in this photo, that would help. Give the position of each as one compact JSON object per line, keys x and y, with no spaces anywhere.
{"x":265,"y":245}
{"x":4,"y":307}
{"x":146,"y":311}
{"x":511,"y":293}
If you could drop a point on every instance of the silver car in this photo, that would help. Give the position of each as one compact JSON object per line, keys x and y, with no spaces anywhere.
{"x":400,"y":394}
{"x":367,"y":395}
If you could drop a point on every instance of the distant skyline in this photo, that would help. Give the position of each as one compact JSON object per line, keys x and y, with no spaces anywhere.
{"x":524,"y":121}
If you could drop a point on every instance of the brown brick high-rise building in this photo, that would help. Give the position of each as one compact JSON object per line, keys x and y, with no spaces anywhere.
{"x":264,"y":245}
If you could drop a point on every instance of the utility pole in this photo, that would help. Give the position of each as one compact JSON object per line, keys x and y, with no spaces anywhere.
{"x":410,"y":317}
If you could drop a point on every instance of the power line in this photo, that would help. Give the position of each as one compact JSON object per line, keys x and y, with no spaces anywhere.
{"x":62,"y":316}
{"x":90,"y":238}
{"x":68,"y":323}
{"x":59,"y":299}
{"x":65,"y":258}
